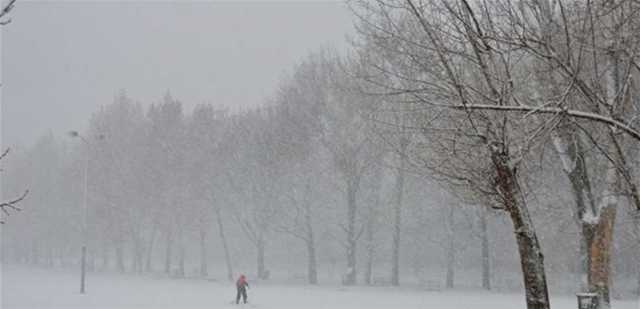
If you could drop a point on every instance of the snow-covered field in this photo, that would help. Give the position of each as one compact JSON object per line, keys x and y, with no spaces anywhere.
{"x":35,"y":289}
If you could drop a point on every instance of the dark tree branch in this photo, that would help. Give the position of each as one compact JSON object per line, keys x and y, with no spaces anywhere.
{"x":11,"y":205}
{"x":5,"y":10}
{"x":4,"y":154}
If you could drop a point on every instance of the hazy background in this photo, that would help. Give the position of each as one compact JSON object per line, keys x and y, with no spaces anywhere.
{"x":61,"y":61}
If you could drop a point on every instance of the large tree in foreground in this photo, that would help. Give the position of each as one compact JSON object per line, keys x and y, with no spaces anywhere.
{"x":516,"y":70}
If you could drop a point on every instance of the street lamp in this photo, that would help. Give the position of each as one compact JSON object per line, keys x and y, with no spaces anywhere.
{"x":83,"y":262}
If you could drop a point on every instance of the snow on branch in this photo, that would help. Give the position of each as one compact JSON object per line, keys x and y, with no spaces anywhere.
{"x":550,"y":110}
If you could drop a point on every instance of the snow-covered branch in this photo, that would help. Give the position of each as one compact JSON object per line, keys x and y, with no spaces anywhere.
{"x":635,"y":134}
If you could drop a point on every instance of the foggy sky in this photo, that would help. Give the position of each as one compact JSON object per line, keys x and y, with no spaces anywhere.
{"x":61,"y":61}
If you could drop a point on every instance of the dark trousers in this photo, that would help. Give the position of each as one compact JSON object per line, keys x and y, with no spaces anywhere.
{"x":241,"y":292}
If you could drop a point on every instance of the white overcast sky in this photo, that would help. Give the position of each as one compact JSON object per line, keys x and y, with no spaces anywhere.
{"x":62,"y":60}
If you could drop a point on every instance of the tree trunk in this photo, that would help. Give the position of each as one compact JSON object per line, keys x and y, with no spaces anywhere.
{"x":180,"y":272}
{"x":350,"y":276}
{"x":227,"y":255}
{"x":636,"y":222}
{"x":203,"y":251}
{"x":120,"y":257}
{"x":34,"y":254}
{"x":62,"y":258}
{"x":148,"y":267}
{"x":137,"y":252}
{"x":262,"y":274}
{"x":119,"y":243}
{"x":600,"y":238}
{"x":397,"y":222}
{"x":486,"y":259}
{"x":600,"y":256}
{"x":603,"y":218}
{"x":578,"y":175}
{"x":368,"y":273}
{"x":140,"y":255}
{"x":50,"y":262}
{"x":168,"y":253}
{"x":531,"y":258}
{"x":451,"y":249}
{"x":105,"y":256}
{"x":638,"y":275}
{"x":312,"y":272}
{"x":134,"y":255}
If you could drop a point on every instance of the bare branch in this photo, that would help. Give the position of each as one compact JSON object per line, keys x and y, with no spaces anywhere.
{"x":11,"y":205}
{"x":5,"y":10}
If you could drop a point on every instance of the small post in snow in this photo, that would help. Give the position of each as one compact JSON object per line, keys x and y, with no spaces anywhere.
{"x":588,"y":301}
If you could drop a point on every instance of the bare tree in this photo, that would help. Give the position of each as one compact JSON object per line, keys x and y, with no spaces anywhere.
{"x":346,"y":137}
{"x":11,"y":205}
{"x":470,"y":149}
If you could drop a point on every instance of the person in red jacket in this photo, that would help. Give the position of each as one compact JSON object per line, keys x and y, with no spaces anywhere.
{"x":241,"y":286}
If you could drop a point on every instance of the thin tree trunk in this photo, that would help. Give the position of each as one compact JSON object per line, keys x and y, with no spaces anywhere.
{"x":350,"y":276}
{"x":486,"y":259}
{"x":636,"y":222}
{"x":531,"y":258}
{"x":105,"y":256}
{"x":638,"y":277}
{"x":180,"y":272}
{"x":140,"y":255}
{"x":227,"y":255}
{"x":63,"y":260}
{"x":370,"y":249}
{"x":119,"y":247}
{"x":134,"y":254}
{"x":451,"y":249}
{"x":137,"y":252}
{"x":181,"y":254}
{"x":312,"y":268}
{"x":148,"y":267}
{"x":260,"y":258}
{"x":168,"y":252}
{"x":312,"y":272}
{"x":34,"y":254}
{"x":50,"y":262}
{"x":397,"y":223}
{"x":203,"y":251}
{"x":120,"y":257}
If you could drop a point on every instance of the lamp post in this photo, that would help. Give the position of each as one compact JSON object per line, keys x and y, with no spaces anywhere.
{"x":85,"y":238}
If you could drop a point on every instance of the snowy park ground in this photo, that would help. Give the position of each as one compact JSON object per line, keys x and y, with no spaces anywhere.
{"x":39,"y":288}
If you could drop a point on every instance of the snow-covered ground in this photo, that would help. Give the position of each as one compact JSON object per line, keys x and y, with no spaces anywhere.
{"x":36,"y":289}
